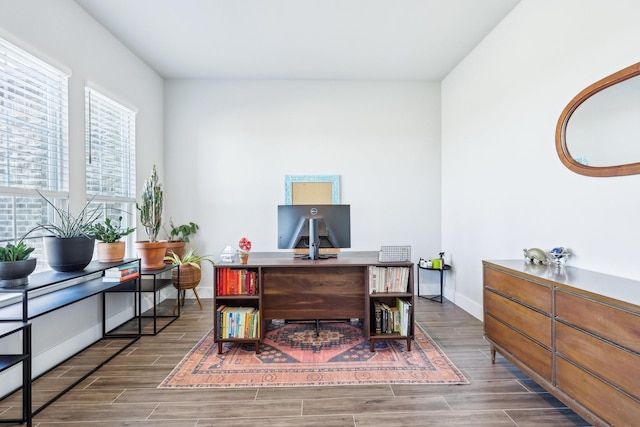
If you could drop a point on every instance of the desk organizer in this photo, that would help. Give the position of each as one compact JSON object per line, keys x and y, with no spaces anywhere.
{"x":394,"y":254}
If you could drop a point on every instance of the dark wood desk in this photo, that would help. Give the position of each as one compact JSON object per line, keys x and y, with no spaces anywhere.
{"x":300,"y":289}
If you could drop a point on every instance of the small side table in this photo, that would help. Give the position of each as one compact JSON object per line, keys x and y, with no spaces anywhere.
{"x":444,"y":268}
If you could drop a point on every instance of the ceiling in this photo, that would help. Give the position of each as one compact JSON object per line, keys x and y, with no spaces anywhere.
{"x":300,"y":39}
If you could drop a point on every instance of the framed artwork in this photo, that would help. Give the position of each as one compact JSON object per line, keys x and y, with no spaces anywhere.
{"x":310,"y":189}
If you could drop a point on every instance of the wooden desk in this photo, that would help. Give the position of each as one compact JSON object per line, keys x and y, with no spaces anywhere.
{"x":300,"y":289}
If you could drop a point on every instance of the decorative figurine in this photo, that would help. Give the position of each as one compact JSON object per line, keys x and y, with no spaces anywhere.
{"x":535,"y":255}
{"x":558,"y":256}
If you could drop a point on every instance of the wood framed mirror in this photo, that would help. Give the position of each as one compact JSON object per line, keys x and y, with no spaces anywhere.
{"x":598,"y":132}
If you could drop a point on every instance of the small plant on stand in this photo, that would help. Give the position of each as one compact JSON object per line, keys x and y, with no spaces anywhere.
{"x":188,"y":273}
{"x":15,"y":264}
{"x":109,"y":233}
{"x":245,"y":248}
{"x":179,"y":236}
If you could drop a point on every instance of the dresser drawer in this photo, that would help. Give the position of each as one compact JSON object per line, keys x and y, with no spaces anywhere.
{"x":533,"y":294}
{"x":532,"y":323}
{"x":525,"y":350}
{"x":618,"y":326}
{"x":611,"y":363}
{"x":605,"y":401}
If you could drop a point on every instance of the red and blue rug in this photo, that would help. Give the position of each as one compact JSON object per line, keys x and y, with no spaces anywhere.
{"x":292,"y":355}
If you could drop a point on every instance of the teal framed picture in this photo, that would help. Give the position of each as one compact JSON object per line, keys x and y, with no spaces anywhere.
{"x":310,"y":189}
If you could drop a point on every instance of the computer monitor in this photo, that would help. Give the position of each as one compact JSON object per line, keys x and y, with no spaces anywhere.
{"x":313,"y":227}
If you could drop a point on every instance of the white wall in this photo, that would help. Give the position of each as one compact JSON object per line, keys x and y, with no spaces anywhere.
{"x":62,"y":34}
{"x":229,"y":145}
{"x":504,"y":187}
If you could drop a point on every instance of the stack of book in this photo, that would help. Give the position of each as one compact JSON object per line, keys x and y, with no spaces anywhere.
{"x":121,"y":273}
{"x":388,"y":279}
{"x":233,"y":281}
{"x":237,"y":322}
{"x":389,"y":319}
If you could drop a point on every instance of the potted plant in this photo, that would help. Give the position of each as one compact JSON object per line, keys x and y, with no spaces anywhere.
{"x":15,"y":264}
{"x":152,"y":251}
{"x":179,"y":236}
{"x":188,"y":273}
{"x":69,"y":247}
{"x":109,"y":235}
{"x":245,"y":248}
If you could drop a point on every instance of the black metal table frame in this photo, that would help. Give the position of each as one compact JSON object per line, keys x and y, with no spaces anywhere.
{"x":444,"y":268}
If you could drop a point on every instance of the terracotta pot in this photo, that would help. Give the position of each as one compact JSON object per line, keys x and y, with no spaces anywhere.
{"x":244,"y":258}
{"x":177,"y":247}
{"x":111,"y":252}
{"x":151,"y":254}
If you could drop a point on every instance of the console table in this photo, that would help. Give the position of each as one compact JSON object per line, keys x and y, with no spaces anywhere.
{"x":292,"y":288}
{"x":50,"y":291}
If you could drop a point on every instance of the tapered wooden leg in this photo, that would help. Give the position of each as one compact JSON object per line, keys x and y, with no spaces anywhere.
{"x":175,"y":306}
{"x":197,"y":297}
{"x":493,"y":355}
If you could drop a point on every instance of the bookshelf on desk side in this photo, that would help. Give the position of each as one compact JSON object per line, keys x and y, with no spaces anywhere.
{"x":390,"y":303}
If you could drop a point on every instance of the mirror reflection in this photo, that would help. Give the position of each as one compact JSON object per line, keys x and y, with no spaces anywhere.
{"x":605,"y":129}
{"x":598,"y":133}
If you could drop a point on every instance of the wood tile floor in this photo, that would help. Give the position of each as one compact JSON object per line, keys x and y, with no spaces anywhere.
{"x":124,"y":393}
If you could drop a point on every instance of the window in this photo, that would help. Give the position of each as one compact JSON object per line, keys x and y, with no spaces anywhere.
{"x":33,"y":142}
{"x":110,"y":152}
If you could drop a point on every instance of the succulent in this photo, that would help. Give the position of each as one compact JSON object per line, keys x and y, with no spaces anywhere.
{"x":109,"y":232}
{"x":13,"y":252}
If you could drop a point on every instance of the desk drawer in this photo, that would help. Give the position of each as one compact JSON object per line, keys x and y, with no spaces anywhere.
{"x":525,"y":350}
{"x":532,"y":323}
{"x":533,"y":294}
{"x":611,"y":323}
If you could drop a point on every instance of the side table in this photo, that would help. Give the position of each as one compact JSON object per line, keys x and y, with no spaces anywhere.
{"x":444,"y":268}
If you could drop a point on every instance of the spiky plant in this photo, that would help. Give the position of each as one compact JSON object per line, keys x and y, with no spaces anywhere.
{"x":189,"y":258}
{"x":69,"y":225}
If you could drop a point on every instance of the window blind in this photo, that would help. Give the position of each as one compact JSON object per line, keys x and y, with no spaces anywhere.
{"x":33,"y":122}
{"x":110,"y":148}
{"x":34,"y":142}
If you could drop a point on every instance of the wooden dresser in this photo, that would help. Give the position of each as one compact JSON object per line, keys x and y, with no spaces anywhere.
{"x":573,"y":331}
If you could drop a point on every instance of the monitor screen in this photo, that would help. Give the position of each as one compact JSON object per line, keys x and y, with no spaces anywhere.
{"x":314,"y":227}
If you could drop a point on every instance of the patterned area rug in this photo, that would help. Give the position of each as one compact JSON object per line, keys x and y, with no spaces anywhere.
{"x":292,"y":355}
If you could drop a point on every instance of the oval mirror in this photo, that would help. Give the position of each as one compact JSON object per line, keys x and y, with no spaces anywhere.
{"x":598,"y":133}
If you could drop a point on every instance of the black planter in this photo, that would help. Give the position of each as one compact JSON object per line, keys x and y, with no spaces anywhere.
{"x":16,"y":273}
{"x":68,"y":253}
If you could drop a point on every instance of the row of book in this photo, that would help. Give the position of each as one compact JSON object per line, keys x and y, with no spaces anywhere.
{"x":390,"y":319}
{"x":234,"y":281}
{"x":121,"y":273}
{"x":237,"y":322}
{"x":388,"y":279}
